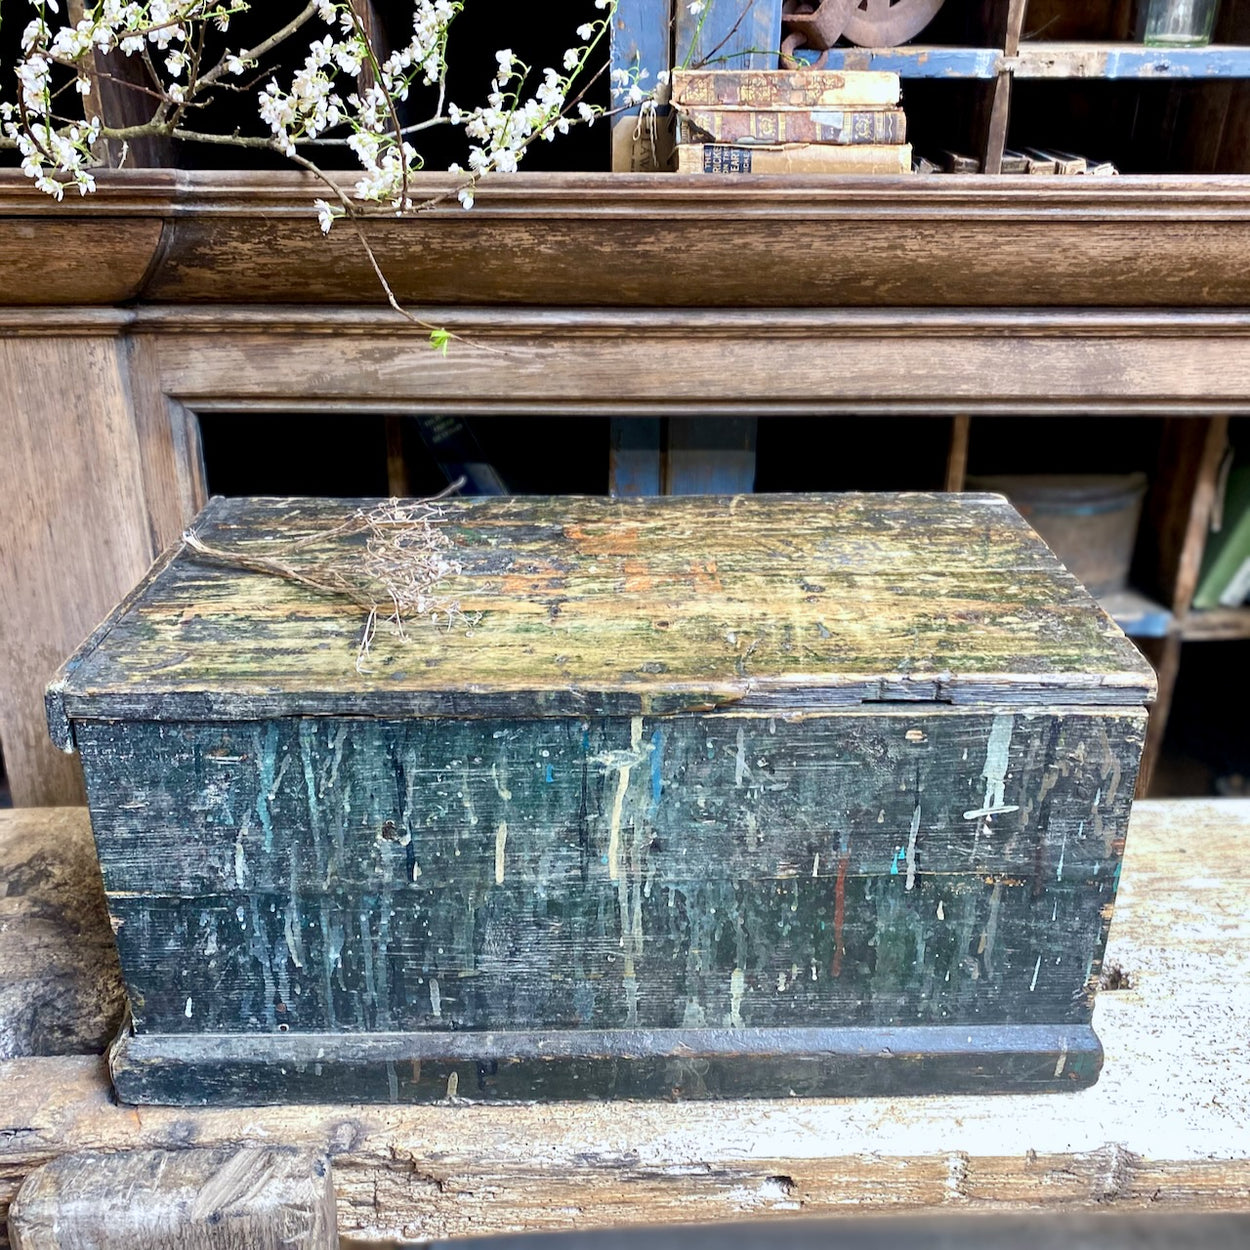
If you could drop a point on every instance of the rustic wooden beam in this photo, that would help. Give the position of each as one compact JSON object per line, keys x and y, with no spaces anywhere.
{"x":216,"y":1199}
{"x":623,"y":363}
{"x":580,"y":240}
{"x":1159,"y":1132}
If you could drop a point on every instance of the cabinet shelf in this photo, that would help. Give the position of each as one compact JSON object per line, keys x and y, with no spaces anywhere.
{"x":1137,"y":615}
{"x":1110,"y":61}
{"x":1216,"y":624}
{"x":913,"y":60}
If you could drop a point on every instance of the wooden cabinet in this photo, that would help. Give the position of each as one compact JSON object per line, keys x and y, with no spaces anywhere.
{"x":169,"y":295}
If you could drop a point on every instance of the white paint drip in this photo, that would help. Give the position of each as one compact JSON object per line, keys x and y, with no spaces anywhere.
{"x":240,"y":860}
{"x":816,"y":865}
{"x":741,"y":771}
{"x":1062,"y":1061}
{"x":436,"y":1001}
{"x":997,"y":750}
{"x":187,"y":1013}
{"x":501,"y":841}
{"x":737,"y":987}
{"x":623,"y":762}
{"x":501,"y":783}
{"x":292,"y":943}
{"x":911,"y":848}
{"x":1037,"y":967}
{"x":466,"y":797}
{"x":941,"y":912}
{"x":1063,"y":850}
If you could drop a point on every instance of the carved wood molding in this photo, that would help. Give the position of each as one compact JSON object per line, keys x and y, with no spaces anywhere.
{"x":584,"y":240}
{"x":624,"y":361}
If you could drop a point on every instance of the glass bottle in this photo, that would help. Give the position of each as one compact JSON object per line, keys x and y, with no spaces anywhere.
{"x":1176,"y":23}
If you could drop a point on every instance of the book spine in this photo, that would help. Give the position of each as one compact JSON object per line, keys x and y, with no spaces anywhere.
{"x":799,"y":126}
{"x":784,"y":89}
{"x":1238,"y":589}
{"x":803,"y":158}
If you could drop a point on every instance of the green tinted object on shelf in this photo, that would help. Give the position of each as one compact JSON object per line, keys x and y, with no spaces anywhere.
{"x":1176,"y":23}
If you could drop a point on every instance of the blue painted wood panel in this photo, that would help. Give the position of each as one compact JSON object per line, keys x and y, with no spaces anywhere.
{"x":729,"y":34}
{"x":641,"y":41}
{"x":1130,"y":60}
{"x":879,"y":867}
{"x":1043,"y":60}
{"x":912,"y":61}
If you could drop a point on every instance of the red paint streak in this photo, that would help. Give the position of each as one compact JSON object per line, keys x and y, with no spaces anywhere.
{"x":839,"y":914}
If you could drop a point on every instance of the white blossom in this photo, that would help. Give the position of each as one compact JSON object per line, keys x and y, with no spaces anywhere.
{"x":323,"y":95}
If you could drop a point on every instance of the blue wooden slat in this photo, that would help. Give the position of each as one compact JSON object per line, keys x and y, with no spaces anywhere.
{"x":913,"y":61}
{"x":729,"y":34}
{"x":1131,"y":60}
{"x":710,"y":456}
{"x":641,"y":32}
{"x":636,"y":456}
{"x":1045,"y":60}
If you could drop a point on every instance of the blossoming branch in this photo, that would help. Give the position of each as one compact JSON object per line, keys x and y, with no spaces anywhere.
{"x":346,"y":92}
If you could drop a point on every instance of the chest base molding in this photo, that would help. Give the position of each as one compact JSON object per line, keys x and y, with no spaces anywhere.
{"x":210,"y":1069}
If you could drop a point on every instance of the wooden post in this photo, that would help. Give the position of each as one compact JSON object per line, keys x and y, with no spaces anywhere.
{"x":998,"y":114}
{"x":957,"y":456}
{"x":74,"y":531}
{"x":230,"y":1198}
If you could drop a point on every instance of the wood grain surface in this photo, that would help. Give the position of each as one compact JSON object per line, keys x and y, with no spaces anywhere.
{"x":1164,"y":1129}
{"x":222,"y":1198}
{"x":883,"y":869}
{"x":622,"y":362}
{"x":590,"y":606}
{"x":644,"y":240}
{"x":73,"y":531}
{"x":61,"y":991}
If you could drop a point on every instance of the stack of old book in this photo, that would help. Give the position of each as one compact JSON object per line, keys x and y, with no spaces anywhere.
{"x":789,"y":121}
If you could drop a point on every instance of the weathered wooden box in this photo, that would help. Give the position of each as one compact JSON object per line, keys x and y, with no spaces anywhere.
{"x":778,"y":796}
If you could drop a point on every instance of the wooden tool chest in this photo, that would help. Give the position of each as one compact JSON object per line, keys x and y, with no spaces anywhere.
{"x":699,"y":797}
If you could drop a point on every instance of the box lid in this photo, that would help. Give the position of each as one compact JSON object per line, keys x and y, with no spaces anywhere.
{"x":593,"y":606}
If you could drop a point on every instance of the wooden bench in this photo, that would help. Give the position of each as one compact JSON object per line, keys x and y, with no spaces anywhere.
{"x":1166,"y":1127}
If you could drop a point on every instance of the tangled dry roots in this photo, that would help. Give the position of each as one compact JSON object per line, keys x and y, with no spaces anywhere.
{"x":395,"y":576}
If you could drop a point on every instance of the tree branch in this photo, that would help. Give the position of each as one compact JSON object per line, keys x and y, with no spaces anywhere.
{"x":265,"y":46}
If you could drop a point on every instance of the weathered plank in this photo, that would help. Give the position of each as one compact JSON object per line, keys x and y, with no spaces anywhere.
{"x":1164,"y":1130}
{"x":222,"y":1198}
{"x":626,"y":606}
{"x":1037,"y":59}
{"x":875,"y":868}
{"x":597,"y":240}
{"x":61,"y":991}
{"x":73,"y":529}
{"x":912,"y":60}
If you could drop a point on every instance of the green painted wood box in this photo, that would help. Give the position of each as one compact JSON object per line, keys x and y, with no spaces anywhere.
{"x":687,"y":798}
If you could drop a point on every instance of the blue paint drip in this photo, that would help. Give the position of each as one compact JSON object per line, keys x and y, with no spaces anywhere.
{"x":267,"y":764}
{"x":1115,"y":880}
{"x":898,"y":859}
{"x":585,"y":741}
{"x":550,"y":775}
{"x":657,"y":774}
